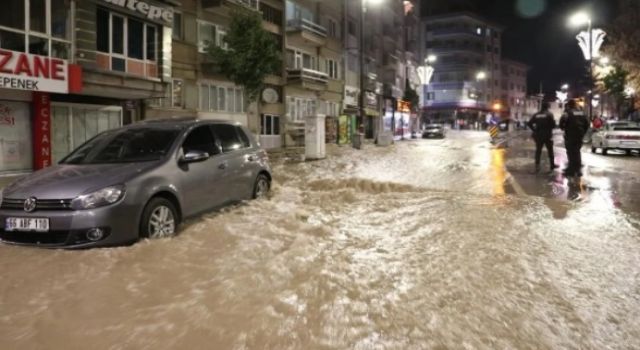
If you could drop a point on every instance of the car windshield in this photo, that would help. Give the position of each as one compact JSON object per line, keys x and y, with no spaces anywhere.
{"x":434,"y":126}
{"x":124,"y":146}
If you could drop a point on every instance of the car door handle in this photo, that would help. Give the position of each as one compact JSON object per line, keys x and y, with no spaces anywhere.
{"x":222,"y":165}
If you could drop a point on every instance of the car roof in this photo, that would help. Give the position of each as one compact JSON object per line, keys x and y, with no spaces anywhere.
{"x":182,"y":122}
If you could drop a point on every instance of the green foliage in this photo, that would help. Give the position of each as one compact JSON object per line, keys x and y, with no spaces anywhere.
{"x":252,"y":53}
{"x":615,"y":84}
{"x":623,"y":40}
{"x":412,"y":96}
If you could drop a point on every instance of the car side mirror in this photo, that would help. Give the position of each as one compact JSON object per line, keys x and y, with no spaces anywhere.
{"x":194,"y":157}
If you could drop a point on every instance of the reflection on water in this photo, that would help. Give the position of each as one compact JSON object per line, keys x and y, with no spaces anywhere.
{"x":498,"y":171}
{"x":336,"y":260}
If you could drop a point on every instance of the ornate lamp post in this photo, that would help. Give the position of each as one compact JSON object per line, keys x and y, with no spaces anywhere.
{"x":590,"y":42}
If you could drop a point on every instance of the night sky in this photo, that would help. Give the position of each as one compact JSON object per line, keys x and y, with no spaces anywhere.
{"x":537,"y":34}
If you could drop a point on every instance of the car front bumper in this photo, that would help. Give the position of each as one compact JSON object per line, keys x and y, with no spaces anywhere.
{"x":69,"y":228}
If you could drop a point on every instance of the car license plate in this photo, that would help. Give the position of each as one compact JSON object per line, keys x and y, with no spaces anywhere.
{"x":27,"y":224}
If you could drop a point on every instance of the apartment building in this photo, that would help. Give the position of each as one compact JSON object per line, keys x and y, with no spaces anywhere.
{"x":197,"y":88}
{"x":468,"y":72}
{"x":514,"y":88}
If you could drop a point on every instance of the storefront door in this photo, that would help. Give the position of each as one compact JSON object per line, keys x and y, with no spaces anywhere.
{"x":16,"y":149}
{"x":74,"y":124}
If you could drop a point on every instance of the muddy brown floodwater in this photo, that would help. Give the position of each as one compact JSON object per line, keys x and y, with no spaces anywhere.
{"x":410,"y":247}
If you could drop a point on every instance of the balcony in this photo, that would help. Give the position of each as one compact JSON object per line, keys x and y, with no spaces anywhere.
{"x":303,"y":32}
{"x":308,"y":78}
{"x":391,"y":61}
{"x":235,"y":4}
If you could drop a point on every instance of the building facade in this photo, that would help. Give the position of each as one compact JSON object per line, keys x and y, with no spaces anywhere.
{"x":514,"y":89}
{"x":74,"y":69}
{"x":468,"y":76}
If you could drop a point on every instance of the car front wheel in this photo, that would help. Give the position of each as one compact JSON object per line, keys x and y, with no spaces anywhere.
{"x":261,"y":187}
{"x":159,"y":219}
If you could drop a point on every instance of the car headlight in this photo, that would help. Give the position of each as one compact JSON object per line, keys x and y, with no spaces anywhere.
{"x":100,"y":198}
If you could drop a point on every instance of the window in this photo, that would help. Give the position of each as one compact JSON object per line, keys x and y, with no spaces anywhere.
{"x":177,"y":99}
{"x":215,"y":98}
{"x":210,"y":34}
{"x":332,"y":69}
{"x":177,"y":26}
{"x":200,"y":139}
{"x":126,"y":44}
{"x":431,"y":96}
{"x":271,"y":14}
{"x":228,"y":136}
{"x":299,"y":60}
{"x":47,"y":32}
{"x":246,"y":143}
{"x":299,"y":108}
{"x":269,"y":124}
{"x":351,"y":27}
{"x":332,"y":28}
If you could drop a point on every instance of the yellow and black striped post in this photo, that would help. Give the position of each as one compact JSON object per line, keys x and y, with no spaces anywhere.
{"x":494,"y":131}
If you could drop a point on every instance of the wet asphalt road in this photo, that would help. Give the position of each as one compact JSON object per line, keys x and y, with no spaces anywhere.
{"x":428,"y":244}
{"x":612,"y":181}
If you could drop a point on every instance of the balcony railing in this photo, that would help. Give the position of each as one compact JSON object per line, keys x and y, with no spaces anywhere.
{"x":307,"y":25}
{"x":250,"y":4}
{"x":310,"y":75}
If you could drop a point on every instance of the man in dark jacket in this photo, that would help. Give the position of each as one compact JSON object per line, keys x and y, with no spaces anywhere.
{"x":575,"y":125}
{"x":542,"y":125}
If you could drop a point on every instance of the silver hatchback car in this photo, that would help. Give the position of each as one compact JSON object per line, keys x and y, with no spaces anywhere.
{"x":135,"y":182}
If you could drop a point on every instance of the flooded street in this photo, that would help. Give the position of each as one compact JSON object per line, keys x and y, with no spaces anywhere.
{"x":428,"y":244}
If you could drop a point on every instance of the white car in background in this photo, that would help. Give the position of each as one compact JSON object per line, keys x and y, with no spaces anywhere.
{"x":617,"y":135}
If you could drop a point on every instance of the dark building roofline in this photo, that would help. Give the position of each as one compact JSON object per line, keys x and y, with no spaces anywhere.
{"x":467,"y":14}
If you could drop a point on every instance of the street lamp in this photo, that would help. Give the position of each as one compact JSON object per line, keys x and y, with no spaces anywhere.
{"x":362,"y":73}
{"x":565,"y":87}
{"x":590,"y":43}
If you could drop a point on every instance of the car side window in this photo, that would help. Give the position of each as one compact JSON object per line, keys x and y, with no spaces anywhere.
{"x":200,"y":139}
{"x":229,"y":139}
{"x":246,"y":143}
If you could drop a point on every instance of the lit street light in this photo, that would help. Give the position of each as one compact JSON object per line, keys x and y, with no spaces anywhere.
{"x":481,"y":76}
{"x":590,"y":43}
{"x":565,"y":87}
{"x":431,"y":59}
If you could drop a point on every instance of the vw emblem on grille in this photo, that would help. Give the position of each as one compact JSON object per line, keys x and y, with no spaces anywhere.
{"x":30,"y":204}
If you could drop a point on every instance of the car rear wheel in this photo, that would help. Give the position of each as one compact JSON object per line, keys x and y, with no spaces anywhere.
{"x":628,"y":152}
{"x":261,"y":187}
{"x":159,"y":219}
{"x":605,"y":151}
{"x":593,"y":150}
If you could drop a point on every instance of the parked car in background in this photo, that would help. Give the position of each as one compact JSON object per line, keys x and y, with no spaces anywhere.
{"x":616,"y":135}
{"x":135,"y":182}
{"x":433,"y":130}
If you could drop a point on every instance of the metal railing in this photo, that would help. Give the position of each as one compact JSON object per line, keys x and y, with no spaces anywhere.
{"x":307,"y":74}
{"x":305,"y":24}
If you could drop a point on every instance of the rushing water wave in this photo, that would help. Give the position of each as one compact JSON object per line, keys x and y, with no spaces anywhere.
{"x":342,"y":257}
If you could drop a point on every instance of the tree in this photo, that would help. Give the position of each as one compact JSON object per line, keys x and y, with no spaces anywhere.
{"x":251,"y":53}
{"x":624,"y":40}
{"x":412,"y":97}
{"x":615,"y":84}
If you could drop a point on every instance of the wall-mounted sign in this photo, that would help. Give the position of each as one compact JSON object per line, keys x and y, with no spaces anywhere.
{"x":23,"y":71}
{"x":270,"y":95}
{"x":151,"y":12}
{"x":41,"y":130}
{"x":351,"y":96}
{"x":372,"y":99}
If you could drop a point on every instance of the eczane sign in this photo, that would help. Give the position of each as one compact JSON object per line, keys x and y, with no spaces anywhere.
{"x":23,"y":71}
